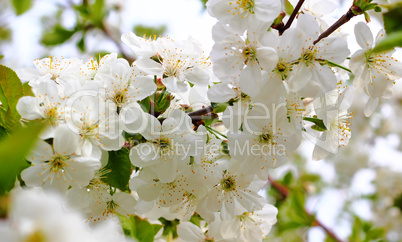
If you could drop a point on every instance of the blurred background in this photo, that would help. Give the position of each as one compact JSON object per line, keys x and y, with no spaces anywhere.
{"x":356,"y":194}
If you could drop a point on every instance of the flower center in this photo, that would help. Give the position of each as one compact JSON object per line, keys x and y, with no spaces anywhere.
{"x":249,"y":53}
{"x":228,"y":184}
{"x":247,"y":5}
{"x":111,"y":206}
{"x":88,"y":130}
{"x":36,"y":236}
{"x":340,"y":125}
{"x":266,"y":138}
{"x":283,"y":69}
{"x":58,"y":163}
{"x":308,"y":56}
{"x":119,"y":99}
{"x":164,"y":145}
{"x":173,"y":67}
{"x":51,"y":115}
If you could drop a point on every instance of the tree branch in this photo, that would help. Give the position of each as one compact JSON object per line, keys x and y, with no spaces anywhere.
{"x":201,"y":112}
{"x":285,"y":193}
{"x":292,"y":17}
{"x":342,"y":20}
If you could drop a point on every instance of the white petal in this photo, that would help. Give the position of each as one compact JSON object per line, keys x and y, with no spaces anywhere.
{"x":370,"y":107}
{"x":250,"y":79}
{"x":65,"y":141}
{"x":220,"y":93}
{"x":267,"y":58}
{"x":27,"y":107}
{"x":363,"y":34}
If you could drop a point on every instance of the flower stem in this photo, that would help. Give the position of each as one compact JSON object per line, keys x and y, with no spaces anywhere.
{"x":292,"y":17}
{"x":215,"y":132}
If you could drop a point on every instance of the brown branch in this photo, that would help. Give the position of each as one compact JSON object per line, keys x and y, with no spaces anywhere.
{"x":201,"y":112}
{"x":342,"y":20}
{"x":292,"y":17}
{"x":285,"y":193}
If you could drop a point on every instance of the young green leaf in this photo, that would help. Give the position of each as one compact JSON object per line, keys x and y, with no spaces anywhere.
{"x":11,"y":91}
{"x":21,"y":6}
{"x":13,"y":150}
{"x":389,"y":42}
{"x":120,"y":165}
{"x":139,"y":229}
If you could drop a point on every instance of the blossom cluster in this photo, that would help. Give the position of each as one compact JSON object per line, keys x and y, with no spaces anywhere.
{"x":189,"y":156}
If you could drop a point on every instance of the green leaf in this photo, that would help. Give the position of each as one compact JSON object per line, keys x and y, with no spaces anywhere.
{"x":219,"y":107}
{"x":3,"y":133}
{"x":356,"y":230}
{"x":13,"y":150}
{"x":288,"y":7}
{"x":204,"y":2}
{"x":139,"y":229}
{"x":120,"y":165}
{"x":27,"y":90}
{"x":149,"y":31}
{"x":98,"y":13}
{"x":319,"y":124}
{"x":21,"y":6}
{"x":5,"y":34}
{"x":145,"y":104}
{"x":57,"y":35}
{"x":288,"y":178}
{"x":393,"y":19}
{"x":81,"y":43}
{"x":3,"y":99}
{"x":11,"y":92}
{"x":389,"y":42}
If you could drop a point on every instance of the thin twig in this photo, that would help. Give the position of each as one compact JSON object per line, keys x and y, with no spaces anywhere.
{"x":342,"y":20}
{"x":292,"y":17}
{"x":285,"y":193}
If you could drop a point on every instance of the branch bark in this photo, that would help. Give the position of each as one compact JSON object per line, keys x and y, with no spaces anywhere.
{"x":341,"y":21}
{"x":292,"y":17}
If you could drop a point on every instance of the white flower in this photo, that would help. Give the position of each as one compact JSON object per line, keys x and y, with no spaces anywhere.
{"x":240,"y":14}
{"x":266,"y":139}
{"x":93,"y":69}
{"x":232,"y":195}
{"x":244,"y":57}
{"x":91,"y":199}
{"x":123,"y":87}
{"x":96,"y":125}
{"x":374,"y":73}
{"x":178,"y":63}
{"x":169,"y":145}
{"x":248,"y":226}
{"x":39,"y":216}
{"x":150,"y":188}
{"x":188,"y":231}
{"x":336,"y":120}
{"x":309,"y":78}
{"x":58,"y":166}
{"x":119,"y":203}
{"x":47,"y":105}
{"x":65,"y":72}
